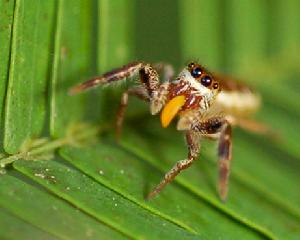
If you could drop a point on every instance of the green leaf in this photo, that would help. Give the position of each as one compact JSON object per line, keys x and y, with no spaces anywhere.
{"x":15,"y":228}
{"x":58,"y":218}
{"x":73,"y":61}
{"x":6,"y":22}
{"x":115,"y":33}
{"x":246,"y":191}
{"x":28,"y":72}
{"x":101,"y":203}
{"x":129,"y":175}
{"x":205,"y":26}
{"x":242,"y":48}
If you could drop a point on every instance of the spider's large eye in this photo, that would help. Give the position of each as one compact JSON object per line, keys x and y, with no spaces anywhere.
{"x":206,"y":81}
{"x":196,"y":72}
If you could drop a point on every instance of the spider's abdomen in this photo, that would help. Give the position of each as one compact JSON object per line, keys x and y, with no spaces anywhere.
{"x":237,"y":98}
{"x":238,"y":103}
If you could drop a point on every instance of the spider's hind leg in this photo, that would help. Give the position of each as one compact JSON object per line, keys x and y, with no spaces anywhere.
{"x":135,"y":91}
{"x":254,"y":126}
{"x":166,"y":70}
{"x":157,"y":98}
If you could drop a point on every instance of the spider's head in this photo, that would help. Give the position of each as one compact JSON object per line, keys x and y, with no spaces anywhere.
{"x":194,"y":88}
{"x":201,"y":81}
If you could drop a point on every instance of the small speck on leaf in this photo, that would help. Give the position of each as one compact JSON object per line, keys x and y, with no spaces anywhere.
{"x":40,"y":175}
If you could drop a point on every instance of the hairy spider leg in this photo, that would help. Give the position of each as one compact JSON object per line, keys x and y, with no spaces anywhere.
{"x":115,"y":75}
{"x":134,"y":91}
{"x":199,"y":128}
{"x":150,"y":88}
{"x":211,"y":126}
{"x":224,"y":153}
{"x":166,"y":71}
{"x":192,"y":140}
{"x":254,"y":126}
{"x":156,"y":95}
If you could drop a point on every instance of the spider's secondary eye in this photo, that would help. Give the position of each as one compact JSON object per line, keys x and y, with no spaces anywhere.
{"x":216,"y":85}
{"x":196,"y":72}
{"x":206,"y":81}
{"x":191,"y":65}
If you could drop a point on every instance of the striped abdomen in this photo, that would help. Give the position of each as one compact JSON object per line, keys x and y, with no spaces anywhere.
{"x":236,"y":98}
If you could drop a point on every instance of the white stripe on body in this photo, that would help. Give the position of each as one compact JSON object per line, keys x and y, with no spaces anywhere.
{"x":238,"y":103}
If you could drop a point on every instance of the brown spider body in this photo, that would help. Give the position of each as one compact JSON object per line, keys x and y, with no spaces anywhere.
{"x":194,"y":96}
{"x":236,"y":98}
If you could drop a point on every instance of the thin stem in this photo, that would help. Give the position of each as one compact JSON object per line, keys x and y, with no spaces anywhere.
{"x":36,"y":152}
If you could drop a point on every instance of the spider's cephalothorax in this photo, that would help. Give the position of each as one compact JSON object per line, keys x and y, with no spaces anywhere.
{"x":194,"y":96}
{"x":197,"y":85}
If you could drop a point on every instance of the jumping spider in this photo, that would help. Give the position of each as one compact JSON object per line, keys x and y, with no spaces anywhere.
{"x":194,"y":96}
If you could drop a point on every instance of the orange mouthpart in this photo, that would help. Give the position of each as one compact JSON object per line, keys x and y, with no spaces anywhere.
{"x":170,"y":110}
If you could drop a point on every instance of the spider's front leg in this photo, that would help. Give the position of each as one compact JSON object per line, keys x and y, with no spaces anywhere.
{"x":214,"y":126}
{"x":221,"y":127}
{"x":149,"y":89}
{"x":126,"y":71}
{"x":192,"y":140}
{"x":224,"y":152}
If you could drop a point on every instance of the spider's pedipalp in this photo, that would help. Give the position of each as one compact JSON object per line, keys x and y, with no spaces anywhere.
{"x":159,"y":98}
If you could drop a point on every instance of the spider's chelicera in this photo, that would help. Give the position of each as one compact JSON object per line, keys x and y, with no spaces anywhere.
{"x":195,"y":96}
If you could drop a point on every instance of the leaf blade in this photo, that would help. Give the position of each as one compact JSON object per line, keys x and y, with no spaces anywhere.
{"x":201,"y":180}
{"x":62,"y":221}
{"x":15,"y":228}
{"x":130,"y":176}
{"x":6,"y":22}
{"x":113,"y":209}
{"x":27,"y":85}
{"x":72,"y":63}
